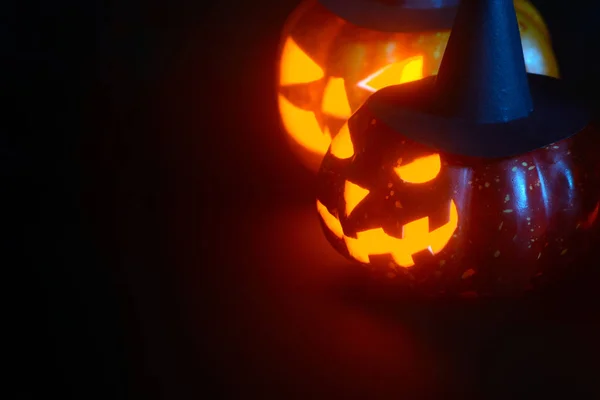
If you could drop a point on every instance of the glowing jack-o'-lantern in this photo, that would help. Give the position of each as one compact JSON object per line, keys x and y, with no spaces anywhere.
{"x":458,"y":183}
{"x":408,"y":236}
{"x":433,"y":219}
{"x":335,"y":53}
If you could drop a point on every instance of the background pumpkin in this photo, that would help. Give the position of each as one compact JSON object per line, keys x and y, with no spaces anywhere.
{"x":328,"y":67}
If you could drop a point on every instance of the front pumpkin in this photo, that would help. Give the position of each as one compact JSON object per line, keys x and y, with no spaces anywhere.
{"x":329,"y":66}
{"x":453,"y":224}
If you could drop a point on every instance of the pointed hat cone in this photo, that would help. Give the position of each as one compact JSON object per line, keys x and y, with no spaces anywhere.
{"x":482,"y":103}
{"x":482,"y":76}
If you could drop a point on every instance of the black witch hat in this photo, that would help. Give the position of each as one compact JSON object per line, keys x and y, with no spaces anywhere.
{"x":482,"y":103}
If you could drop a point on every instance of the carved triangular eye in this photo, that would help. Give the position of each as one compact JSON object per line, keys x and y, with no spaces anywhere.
{"x":353,"y":195}
{"x":421,"y":170}
{"x":404,"y":71}
{"x":303,"y":126}
{"x":296,"y":66}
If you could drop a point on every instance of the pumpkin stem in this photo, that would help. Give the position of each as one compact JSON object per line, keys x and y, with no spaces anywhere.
{"x":482,"y":76}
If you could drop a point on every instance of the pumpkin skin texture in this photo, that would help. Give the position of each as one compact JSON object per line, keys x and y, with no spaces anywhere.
{"x":440,"y":223}
{"x":328,"y":67}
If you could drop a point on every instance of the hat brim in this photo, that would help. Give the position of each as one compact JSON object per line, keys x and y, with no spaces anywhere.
{"x":412,"y":110}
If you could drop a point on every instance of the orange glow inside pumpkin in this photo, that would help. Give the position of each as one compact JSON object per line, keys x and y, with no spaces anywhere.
{"x":416,"y":237}
{"x":405,"y":71}
{"x":335,"y":99}
{"x":353,"y":195}
{"x":420,"y":170}
{"x":296,"y":66}
{"x":303,"y":126}
{"x":341,"y":66}
{"x":341,"y":145}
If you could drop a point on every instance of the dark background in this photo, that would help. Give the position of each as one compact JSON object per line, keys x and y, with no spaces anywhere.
{"x":161,"y":241}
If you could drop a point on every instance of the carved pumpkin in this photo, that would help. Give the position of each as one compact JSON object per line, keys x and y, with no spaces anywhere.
{"x":329,"y":65}
{"x":426,"y":217}
{"x":473,"y":184}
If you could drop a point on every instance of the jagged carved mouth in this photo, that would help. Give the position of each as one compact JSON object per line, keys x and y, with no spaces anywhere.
{"x":416,"y":237}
